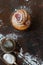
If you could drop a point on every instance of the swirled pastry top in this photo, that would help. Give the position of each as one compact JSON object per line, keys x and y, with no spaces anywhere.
{"x":21,"y":19}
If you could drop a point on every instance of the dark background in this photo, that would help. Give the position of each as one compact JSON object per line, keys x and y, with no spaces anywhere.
{"x":31,"y":39}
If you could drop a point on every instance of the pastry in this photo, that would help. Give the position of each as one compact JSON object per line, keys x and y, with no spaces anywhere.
{"x":21,"y":19}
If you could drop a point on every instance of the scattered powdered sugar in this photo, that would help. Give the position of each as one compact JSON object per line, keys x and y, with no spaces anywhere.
{"x":29,"y":59}
{"x":1,"y":37}
{"x":16,"y":9}
{"x":12,"y":36}
{"x":26,"y":0}
{"x":20,"y":55}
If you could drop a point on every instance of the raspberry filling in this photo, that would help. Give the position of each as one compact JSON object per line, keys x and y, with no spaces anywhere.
{"x":18,"y":17}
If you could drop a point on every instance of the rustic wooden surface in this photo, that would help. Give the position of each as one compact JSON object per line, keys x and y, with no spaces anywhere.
{"x":32,"y":38}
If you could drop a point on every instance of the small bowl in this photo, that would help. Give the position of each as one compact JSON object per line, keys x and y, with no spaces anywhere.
{"x":8,"y":45}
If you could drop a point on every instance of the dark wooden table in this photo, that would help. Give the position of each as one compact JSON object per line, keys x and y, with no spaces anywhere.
{"x":32,"y":38}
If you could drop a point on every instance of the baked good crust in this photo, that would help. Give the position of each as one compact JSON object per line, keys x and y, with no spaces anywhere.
{"x":25,"y":23}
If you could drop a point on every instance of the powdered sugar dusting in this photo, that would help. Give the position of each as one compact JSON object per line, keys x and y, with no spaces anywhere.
{"x":29,"y":59}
